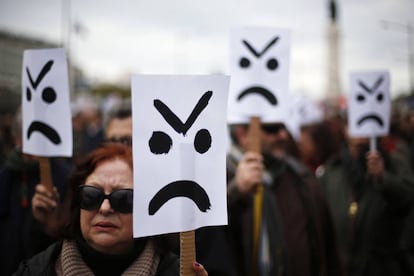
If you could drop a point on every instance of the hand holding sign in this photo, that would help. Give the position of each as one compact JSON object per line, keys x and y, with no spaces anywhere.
{"x":259,"y":66}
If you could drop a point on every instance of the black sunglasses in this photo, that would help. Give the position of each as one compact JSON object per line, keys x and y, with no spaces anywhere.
{"x":91,"y":198}
{"x":273,"y":128}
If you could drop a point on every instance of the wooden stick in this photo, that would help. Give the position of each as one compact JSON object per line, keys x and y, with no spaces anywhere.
{"x":187,"y":253}
{"x":254,"y":135}
{"x":372,"y":144}
{"x":45,"y":173}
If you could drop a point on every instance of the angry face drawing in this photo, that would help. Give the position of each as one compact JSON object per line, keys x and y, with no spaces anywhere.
{"x":369,"y":104}
{"x":47,"y":120}
{"x":179,"y":143}
{"x":259,"y":65}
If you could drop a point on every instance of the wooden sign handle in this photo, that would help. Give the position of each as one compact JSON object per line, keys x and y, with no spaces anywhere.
{"x":254,"y":135}
{"x":45,"y":173}
{"x":187,"y":253}
{"x":255,"y":145}
{"x":372,"y":144}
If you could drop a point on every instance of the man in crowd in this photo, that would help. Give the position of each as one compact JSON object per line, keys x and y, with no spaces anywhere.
{"x":296,"y":236}
{"x":370,"y":194}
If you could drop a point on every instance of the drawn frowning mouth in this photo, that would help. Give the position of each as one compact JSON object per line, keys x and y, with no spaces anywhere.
{"x":261,"y":91}
{"x":371,"y":117}
{"x":180,"y":188}
{"x":46,"y":130}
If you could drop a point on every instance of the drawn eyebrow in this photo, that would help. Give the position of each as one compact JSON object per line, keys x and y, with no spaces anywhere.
{"x":257,"y":54}
{"x":174,"y":121}
{"x":46,"y":68}
{"x":374,"y":88}
{"x":378,"y":83}
{"x":364,"y":86}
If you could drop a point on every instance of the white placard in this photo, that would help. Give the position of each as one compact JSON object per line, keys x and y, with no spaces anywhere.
{"x":179,"y":146}
{"x":293,"y":123}
{"x":369,"y":104}
{"x":47,"y":120}
{"x":309,"y":112}
{"x":259,"y":66}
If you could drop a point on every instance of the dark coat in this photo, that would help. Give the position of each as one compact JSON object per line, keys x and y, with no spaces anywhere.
{"x":370,"y":241}
{"x":301,"y":237}
{"x":20,"y":235}
{"x":43,"y":264}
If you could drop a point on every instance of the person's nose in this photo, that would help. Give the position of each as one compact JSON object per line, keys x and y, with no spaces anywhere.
{"x":106,"y":207}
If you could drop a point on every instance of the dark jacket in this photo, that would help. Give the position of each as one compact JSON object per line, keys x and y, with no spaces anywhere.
{"x":370,"y":240}
{"x":20,"y":235}
{"x":43,"y":264}
{"x":300,"y":233}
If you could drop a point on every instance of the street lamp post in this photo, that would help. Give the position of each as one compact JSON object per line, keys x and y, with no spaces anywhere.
{"x":66,"y":37}
{"x":408,"y":29}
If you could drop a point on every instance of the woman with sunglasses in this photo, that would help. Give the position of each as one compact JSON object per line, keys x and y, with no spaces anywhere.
{"x":98,"y":239}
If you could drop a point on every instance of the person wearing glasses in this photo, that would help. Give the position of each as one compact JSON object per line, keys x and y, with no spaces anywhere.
{"x":118,"y":129}
{"x":118,"y":124}
{"x":98,"y":239}
{"x":296,"y":235}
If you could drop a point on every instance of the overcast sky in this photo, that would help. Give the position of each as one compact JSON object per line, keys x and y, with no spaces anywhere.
{"x":192,"y":37}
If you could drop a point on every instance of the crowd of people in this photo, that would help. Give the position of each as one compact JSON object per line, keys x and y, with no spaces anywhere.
{"x":329,"y":205}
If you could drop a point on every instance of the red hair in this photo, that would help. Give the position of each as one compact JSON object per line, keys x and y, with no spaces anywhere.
{"x":107,"y":152}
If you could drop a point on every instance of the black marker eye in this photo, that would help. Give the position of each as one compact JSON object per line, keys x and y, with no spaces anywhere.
{"x":160,"y":142}
{"x":244,"y":62}
{"x":380,"y":97}
{"x":49,"y":95}
{"x":272,"y":64}
{"x":28,"y":94}
{"x":360,"y":98}
{"x":202,"y":141}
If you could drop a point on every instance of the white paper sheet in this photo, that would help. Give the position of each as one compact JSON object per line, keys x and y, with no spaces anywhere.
{"x":179,"y":145}
{"x":47,"y":120}
{"x":369,"y":104}
{"x":259,"y":67}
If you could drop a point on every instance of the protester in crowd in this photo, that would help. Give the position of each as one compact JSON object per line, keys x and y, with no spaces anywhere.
{"x":370,"y":194}
{"x":20,"y":235}
{"x":118,"y":129}
{"x":78,"y":134}
{"x":400,"y":141}
{"x":118,"y":123}
{"x":98,"y":239}
{"x":6,"y":137}
{"x":88,"y":131}
{"x":296,"y":236}
{"x":94,"y":131}
{"x":317,"y":144}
